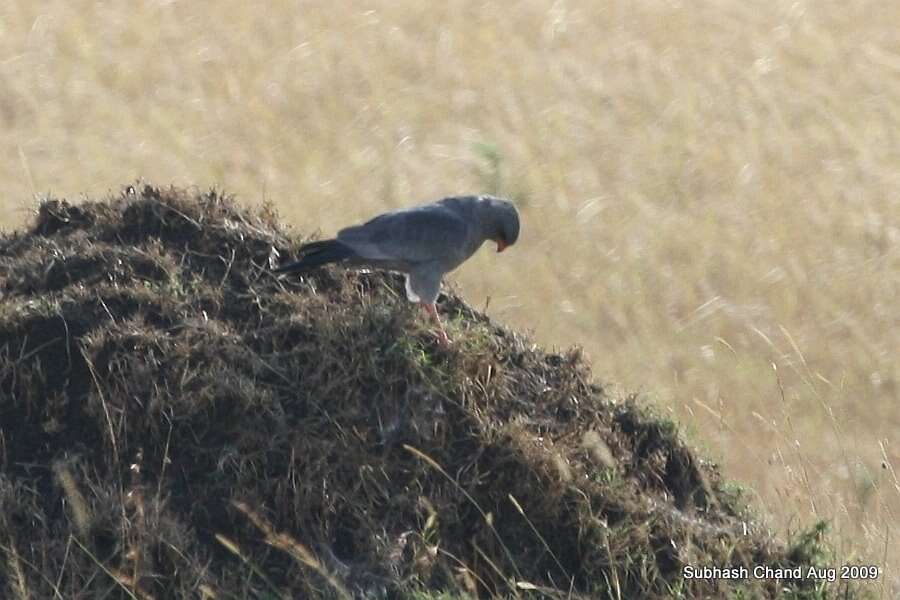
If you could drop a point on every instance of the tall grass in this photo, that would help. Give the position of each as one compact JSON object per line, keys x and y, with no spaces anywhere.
{"x":710,"y":189}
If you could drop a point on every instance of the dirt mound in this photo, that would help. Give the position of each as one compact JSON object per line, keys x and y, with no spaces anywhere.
{"x":178,"y":422}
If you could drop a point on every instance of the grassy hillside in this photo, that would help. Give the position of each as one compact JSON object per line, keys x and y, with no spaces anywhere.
{"x":178,"y":422}
{"x":709,"y":189}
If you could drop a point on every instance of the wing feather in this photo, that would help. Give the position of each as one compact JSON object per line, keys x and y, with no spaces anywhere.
{"x":423,"y":234}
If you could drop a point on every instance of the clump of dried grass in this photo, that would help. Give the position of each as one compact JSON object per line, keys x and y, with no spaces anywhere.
{"x":176,"y":420}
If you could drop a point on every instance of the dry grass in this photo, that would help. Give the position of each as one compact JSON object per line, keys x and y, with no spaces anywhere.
{"x":709,"y":188}
{"x":178,"y":421}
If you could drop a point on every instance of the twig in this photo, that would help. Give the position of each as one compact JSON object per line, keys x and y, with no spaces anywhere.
{"x":112,"y":431}
{"x":538,"y":534}
{"x":434,"y":464}
{"x":292,"y":547}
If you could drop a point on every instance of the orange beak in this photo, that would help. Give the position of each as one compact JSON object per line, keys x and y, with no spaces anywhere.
{"x":501,"y":245}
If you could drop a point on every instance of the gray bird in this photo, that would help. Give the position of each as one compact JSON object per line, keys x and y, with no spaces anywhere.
{"x":423,"y":242}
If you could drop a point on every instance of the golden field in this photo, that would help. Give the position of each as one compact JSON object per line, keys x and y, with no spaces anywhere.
{"x":709,"y":190}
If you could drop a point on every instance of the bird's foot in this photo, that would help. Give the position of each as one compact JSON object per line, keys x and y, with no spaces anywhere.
{"x":441,"y":335}
{"x":443,"y":339}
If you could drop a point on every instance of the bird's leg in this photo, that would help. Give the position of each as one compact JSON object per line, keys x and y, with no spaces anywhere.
{"x":443,"y":340}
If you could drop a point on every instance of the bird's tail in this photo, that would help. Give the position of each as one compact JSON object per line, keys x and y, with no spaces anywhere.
{"x":316,"y":254}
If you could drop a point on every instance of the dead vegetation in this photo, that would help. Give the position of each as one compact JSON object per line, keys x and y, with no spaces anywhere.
{"x":178,"y":422}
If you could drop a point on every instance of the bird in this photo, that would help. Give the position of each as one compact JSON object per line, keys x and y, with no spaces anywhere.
{"x":423,"y":242}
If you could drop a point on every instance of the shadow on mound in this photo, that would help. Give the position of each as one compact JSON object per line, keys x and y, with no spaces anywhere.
{"x":176,"y":421}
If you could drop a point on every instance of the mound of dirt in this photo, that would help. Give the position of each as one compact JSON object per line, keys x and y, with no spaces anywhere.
{"x":175,"y":421}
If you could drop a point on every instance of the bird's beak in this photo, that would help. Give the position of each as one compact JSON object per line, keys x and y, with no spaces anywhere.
{"x":501,"y":245}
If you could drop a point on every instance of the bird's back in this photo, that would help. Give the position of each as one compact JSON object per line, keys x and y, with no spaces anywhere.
{"x":431,"y":232}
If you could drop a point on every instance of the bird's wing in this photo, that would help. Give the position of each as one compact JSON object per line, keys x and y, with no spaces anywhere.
{"x":431,"y":233}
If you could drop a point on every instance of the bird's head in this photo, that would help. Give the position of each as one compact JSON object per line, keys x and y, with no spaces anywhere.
{"x":502,"y":221}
